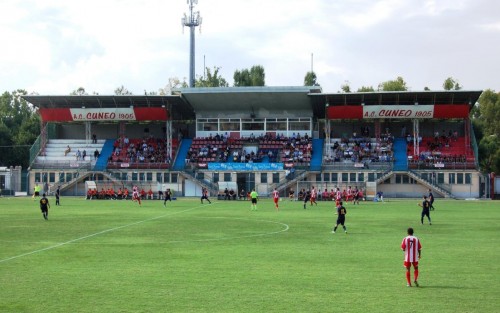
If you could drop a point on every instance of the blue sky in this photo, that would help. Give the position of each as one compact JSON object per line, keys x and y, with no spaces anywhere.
{"x":54,"y":47}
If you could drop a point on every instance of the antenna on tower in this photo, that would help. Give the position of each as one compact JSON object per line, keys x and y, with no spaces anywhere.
{"x":192,"y":21}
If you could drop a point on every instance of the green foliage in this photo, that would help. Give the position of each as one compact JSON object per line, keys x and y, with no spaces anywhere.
{"x":122,"y":91}
{"x":256,"y":76}
{"x":223,"y":258}
{"x":486,"y":121}
{"x":310,"y":79}
{"x":80,"y":91}
{"x":346,"y":87}
{"x":366,"y":89}
{"x":19,"y":128}
{"x":211,"y":79}
{"x":393,"y":85}
{"x":451,"y":84}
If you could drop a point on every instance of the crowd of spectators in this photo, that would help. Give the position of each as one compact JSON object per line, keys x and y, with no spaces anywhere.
{"x":146,"y":150}
{"x":361,"y":149}
{"x":277,"y":148}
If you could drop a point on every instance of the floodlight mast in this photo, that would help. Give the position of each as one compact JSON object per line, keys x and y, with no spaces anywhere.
{"x":191,"y":21}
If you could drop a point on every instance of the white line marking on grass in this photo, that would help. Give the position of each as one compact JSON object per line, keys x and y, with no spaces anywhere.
{"x":96,"y":234}
{"x":238,"y":237}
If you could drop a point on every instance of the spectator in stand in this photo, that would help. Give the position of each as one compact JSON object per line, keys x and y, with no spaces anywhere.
{"x":94,"y":138}
{"x":68,"y":150}
{"x":96,"y":154}
{"x":84,"y":154}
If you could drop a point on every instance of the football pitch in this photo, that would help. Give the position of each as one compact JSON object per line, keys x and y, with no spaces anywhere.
{"x":114,"y":256}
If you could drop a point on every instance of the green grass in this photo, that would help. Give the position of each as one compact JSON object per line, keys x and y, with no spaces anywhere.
{"x":114,"y":256}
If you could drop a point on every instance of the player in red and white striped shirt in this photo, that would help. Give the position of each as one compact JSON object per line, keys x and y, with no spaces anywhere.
{"x":314,"y":195}
{"x":276,"y":198}
{"x":412,"y":247}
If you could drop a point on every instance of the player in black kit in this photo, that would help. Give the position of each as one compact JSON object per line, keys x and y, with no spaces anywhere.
{"x":307,"y":197}
{"x":425,"y":205}
{"x":44,"y":207}
{"x":168,"y":197}
{"x":341,"y":212}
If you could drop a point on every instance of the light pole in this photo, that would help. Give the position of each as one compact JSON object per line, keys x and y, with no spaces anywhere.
{"x":193,"y":20}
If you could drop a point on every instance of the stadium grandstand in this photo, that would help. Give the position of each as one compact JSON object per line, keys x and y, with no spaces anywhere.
{"x":289,"y":138}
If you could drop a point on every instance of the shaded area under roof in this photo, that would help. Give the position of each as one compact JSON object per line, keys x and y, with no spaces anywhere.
{"x":319,"y":101}
{"x":248,"y":98}
{"x":180,"y":109}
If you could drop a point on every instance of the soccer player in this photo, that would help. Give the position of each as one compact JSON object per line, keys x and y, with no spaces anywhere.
{"x":58,"y":195}
{"x":314,"y":195}
{"x":276,"y":198}
{"x":254,"y":196}
{"x":431,"y":200}
{"x":135,"y":195}
{"x":341,"y":212}
{"x":204,"y":195}
{"x":412,"y":247}
{"x":355,"y":199}
{"x":44,"y":207}
{"x":307,"y":197}
{"x":338,"y":197}
{"x":168,"y":197}
{"x":425,"y":205}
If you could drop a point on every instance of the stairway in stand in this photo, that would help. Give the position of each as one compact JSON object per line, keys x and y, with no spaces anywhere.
{"x":400,"y":154}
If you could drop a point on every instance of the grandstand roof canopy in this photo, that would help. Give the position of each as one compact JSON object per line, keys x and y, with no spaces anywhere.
{"x":180,"y":108}
{"x":393,"y":98}
{"x":248,"y":98}
{"x":186,"y":101}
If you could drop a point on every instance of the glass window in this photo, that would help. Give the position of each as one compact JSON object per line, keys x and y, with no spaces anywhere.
{"x":216,"y":178}
{"x":207,"y":124}
{"x":124,"y":176}
{"x":406,"y":179}
{"x":299,"y":124}
{"x":371,"y":177}
{"x":159,"y":177}
{"x":276,"y":124}
{"x":352,"y":177}
{"x":252,"y":124}
{"x":398,"y":179}
{"x":263,"y":178}
{"x":37,"y":177}
{"x":335,"y":177}
{"x":460,"y":178}
{"x":345,"y":177}
{"x":229,"y":124}
{"x":361,"y":177}
{"x":276,"y":178}
{"x":326,"y":176}
{"x":149,"y":176}
{"x":61,"y":177}
{"x":468,"y":178}
{"x":227,"y":176}
{"x":200,"y":175}
{"x":440,"y":178}
{"x":134,"y":176}
{"x":451,"y":178}
{"x":166,"y":178}
{"x":174,"y":177}
{"x":52,"y":177}
{"x":318,"y":177}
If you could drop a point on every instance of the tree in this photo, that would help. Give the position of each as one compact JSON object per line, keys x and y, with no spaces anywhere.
{"x":173,"y":83}
{"x":122,"y":91}
{"x":211,"y":79}
{"x":486,"y":120}
{"x":346,"y":87}
{"x":19,"y":128}
{"x":310,"y":79}
{"x":256,"y":76}
{"x":366,"y":89}
{"x":80,"y":91}
{"x":451,"y":84}
{"x":393,"y":85}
